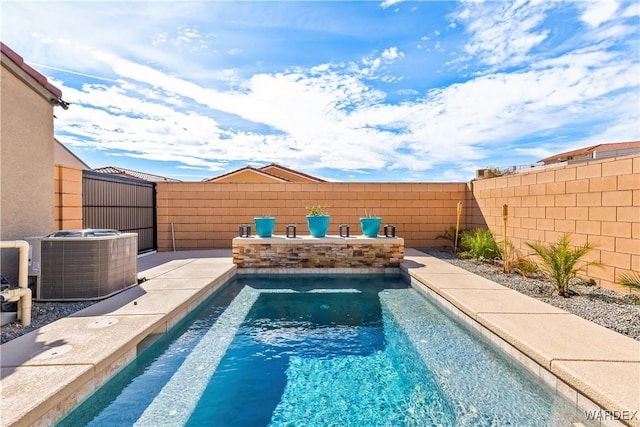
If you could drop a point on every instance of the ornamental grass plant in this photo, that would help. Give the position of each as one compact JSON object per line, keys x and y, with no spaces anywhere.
{"x":562,"y":261}
{"x":450,"y":236}
{"x":479,"y":245}
{"x":632,"y":281}
{"x":316,"y":210}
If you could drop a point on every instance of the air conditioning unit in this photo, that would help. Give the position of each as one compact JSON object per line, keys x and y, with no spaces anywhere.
{"x":80,"y":265}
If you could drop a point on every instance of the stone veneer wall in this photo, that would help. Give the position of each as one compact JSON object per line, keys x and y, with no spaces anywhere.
{"x":317,"y":252}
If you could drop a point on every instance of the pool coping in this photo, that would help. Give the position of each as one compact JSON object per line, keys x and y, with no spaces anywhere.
{"x":46,"y":372}
{"x":594,"y":367}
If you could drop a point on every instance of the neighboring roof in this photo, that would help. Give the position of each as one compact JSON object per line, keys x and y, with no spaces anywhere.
{"x":269,"y":173}
{"x":61,"y":155}
{"x":290,"y":174}
{"x":623,"y":148}
{"x":42,"y":80}
{"x":134,"y":174}
{"x":247,"y":174}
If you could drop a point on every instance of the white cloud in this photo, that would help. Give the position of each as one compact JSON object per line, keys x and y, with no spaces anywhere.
{"x":595,"y":13}
{"x":159,"y":39}
{"x":392,"y":53}
{"x":631,"y":9}
{"x":388,"y":3}
{"x":538,"y":153}
{"x":328,"y":112}
{"x":374,"y":65}
{"x":150,"y":103}
{"x":503,"y":33}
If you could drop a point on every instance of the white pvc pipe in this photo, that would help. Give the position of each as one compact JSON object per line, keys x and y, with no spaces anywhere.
{"x":23,"y":294}
{"x":23,"y":272}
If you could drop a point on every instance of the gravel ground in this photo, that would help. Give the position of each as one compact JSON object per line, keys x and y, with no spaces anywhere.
{"x":610,"y":309}
{"x":602,"y":306}
{"x":42,"y":313}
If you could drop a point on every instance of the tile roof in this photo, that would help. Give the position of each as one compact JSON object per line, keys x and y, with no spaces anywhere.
{"x":42,"y":80}
{"x":251,"y":169}
{"x":277,"y":166}
{"x":619,"y":146}
{"x":262,"y":171}
{"x":134,"y":174}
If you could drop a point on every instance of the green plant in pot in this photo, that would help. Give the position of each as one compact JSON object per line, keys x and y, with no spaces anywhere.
{"x":264,"y":225}
{"x":317,"y":220}
{"x":370,"y":224}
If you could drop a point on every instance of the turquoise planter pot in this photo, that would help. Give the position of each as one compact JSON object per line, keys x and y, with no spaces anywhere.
{"x":264,"y":225}
{"x":318,"y":225}
{"x":370,"y":226}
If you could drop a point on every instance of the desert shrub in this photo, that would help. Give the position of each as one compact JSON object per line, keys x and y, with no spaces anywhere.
{"x":479,"y":245}
{"x":632,"y":281}
{"x":508,"y":254}
{"x":317,"y":210}
{"x":562,"y":262}
{"x":526,"y":267}
{"x":450,"y":236}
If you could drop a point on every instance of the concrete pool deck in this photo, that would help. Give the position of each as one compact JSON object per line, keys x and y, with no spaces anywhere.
{"x":46,"y":372}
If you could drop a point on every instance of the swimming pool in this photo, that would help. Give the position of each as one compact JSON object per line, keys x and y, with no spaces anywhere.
{"x":318,"y":351}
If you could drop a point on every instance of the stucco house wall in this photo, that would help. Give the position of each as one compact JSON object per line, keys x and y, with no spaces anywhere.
{"x":247,"y":176}
{"x":63,"y":156}
{"x":26,"y":158}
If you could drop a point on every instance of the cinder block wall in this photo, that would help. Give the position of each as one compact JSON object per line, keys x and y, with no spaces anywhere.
{"x":207,"y":215}
{"x":596,"y":202}
{"x":67,"y":197}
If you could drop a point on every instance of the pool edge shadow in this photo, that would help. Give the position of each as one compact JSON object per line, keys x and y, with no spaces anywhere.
{"x":588,"y":374}
{"x":564,"y":374}
{"x":24,"y":403}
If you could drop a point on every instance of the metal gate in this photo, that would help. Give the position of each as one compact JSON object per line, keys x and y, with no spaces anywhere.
{"x":125,"y":204}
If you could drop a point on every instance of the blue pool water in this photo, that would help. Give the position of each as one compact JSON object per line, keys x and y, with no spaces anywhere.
{"x":322,"y":351}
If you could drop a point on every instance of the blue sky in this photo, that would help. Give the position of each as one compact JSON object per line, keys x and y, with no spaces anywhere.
{"x":348,"y":91}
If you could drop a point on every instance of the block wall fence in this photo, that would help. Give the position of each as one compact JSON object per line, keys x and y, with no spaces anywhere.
{"x":67,"y":209}
{"x":207,"y":215}
{"x":597,"y":202}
